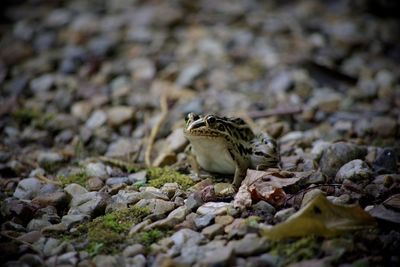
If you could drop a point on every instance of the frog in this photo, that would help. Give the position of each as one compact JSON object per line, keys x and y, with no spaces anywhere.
{"x":227,"y":145}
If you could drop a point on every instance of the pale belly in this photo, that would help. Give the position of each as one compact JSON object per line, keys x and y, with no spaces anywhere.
{"x":214,"y":157}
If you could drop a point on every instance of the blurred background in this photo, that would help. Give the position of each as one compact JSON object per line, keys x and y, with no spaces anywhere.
{"x":90,"y":74}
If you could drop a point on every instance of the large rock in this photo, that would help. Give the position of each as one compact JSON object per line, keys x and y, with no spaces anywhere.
{"x":338,"y":154}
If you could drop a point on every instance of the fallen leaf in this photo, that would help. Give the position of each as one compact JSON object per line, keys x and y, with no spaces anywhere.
{"x":274,"y":195}
{"x":393,"y":202}
{"x":321,"y":217}
{"x":264,"y":185}
{"x":383,"y":213}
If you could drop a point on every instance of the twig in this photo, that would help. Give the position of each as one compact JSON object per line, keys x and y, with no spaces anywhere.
{"x":156,"y":129}
{"x":44,"y":179}
{"x":274,"y":112}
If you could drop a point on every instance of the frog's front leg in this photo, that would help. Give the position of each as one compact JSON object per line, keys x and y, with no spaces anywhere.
{"x":191,"y":158}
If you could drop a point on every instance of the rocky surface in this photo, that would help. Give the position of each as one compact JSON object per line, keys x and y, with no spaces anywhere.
{"x":82,"y":88}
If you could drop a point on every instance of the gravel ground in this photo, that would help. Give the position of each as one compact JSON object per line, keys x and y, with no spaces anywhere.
{"x":93,"y":168}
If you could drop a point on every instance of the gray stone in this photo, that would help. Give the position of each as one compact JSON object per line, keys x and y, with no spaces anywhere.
{"x":188,"y":74}
{"x":50,"y":244}
{"x":119,"y":115}
{"x":281,"y":82}
{"x":122,"y":199}
{"x":137,"y":261}
{"x":46,"y":158}
{"x":156,"y":206}
{"x":81,"y":109}
{"x":30,"y":260}
{"x":203,"y":221}
{"x":142,"y":68}
{"x":264,"y":210}
{"x":384,"y":126}
{"x":170,"y":189}
{"x":340,"y":200}
{"x":263,"y":260}
{"x":354,"y":170}
{"x":71,"y":220}
{"x":194,"y":201}
{"x":97,"y":169}
{"x":69,"y":258}
{"x":92,"y":203}
{"x":250,"y":245}
{"x":133,"y":250}
{"x":338,"y":154}
{"x":95,"y":184}
{"x":318,"y":148}
{"x":75,"y":190}
{"x":214,"y":208}
{"x":325,"y":99}
{"x":30,"y":237}
{"x":108,"y":261}
{"x":175,"y":217}
{"x":56,"y":199}
{"x":211,"y":231}
{"x":117,"y":180}
{"x":150,"y":192}
{"x":386,"y":162}
{"x":27,"y":188}
{"x":221,"y":256}
{"x":97,"y":119}
{"x":122,"y":147}
{"x":42,"y":83}
{"x":186,"y":237}
{"x":138,"y":177}
{"x":138,"y":227}
{"x":282,"y":215}
{"x":54,"y":229}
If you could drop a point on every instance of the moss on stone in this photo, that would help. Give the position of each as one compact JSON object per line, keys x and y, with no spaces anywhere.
{"x":94,"y":248}
{"x":114,"y":227}
{"x":159,"y":176}
{"x":149,"y":237}
{"x":76,"y":178}
{"x":25,"y":115}
{"x":295,"y":251}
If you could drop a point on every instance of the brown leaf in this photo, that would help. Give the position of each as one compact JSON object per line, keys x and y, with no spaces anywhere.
{"x":268,"y":186}
{"x":323,"y":218}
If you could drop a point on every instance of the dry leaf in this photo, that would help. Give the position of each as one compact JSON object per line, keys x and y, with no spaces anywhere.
{"x":267,"y":186}
{"x":321,"y":217}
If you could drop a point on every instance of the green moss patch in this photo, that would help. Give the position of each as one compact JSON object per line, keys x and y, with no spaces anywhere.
{"x":76,"y":178}
{"x":159,"y":176}
{"x":114,"y":227}
{"x":296,"y":251}
{"x":149,"y":237}
{"x":25,"y":115}
{"x":109,"y":233}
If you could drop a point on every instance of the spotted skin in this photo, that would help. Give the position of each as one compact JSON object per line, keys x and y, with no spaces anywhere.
{"x":228,"y":145}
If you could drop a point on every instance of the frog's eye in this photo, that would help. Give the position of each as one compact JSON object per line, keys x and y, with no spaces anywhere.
{"x":211,"y":119}
{"x":187,"y":117}
{"x":191,"y":116}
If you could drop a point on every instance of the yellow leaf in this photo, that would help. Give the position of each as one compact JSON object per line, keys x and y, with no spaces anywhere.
{"x":321,"y":217}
